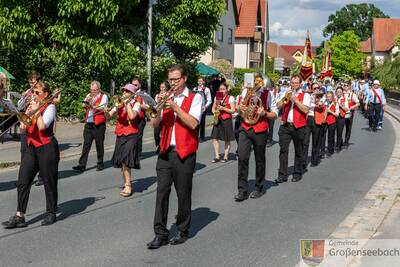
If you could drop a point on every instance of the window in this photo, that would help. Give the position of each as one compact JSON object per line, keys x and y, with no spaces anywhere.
{"x":253,"y":65}
{"x":230,"y":36}
{"x":254,"y":47}
{"x":220,"y":35}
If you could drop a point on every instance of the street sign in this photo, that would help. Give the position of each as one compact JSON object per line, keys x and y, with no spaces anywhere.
{"x":278,"y":63}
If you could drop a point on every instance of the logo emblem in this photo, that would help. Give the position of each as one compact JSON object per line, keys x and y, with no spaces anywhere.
{"x":312,"y":251}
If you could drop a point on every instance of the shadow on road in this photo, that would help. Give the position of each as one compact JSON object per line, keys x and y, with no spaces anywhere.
{"x":201,"y":217}
{"x":69,"y":208}
{"x":66,"y":146}
{"x":5,"y":186}
{"x":143,"y":184}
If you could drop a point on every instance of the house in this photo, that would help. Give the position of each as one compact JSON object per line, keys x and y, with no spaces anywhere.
{"x":382,"y":46}
{"x":224,"y":37}
{"x":275,"y":50}
{"x":250,"y":33}
{"x":296,"y":51}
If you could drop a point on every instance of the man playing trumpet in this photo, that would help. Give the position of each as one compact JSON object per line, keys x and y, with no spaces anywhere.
{"x":95,"y":127}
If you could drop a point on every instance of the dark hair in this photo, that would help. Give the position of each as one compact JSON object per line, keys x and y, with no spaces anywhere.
{"x":35,"y":75}
{"x":45,"y":86}
{"x":179,"y":67}
{"x":339,"y":87}
{"x":296,"y":76}
{"x":136,"y":79}
{"x":224,"y":84}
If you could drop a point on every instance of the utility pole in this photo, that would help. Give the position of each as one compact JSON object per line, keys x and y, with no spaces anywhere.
{"x":266,"y":36}
{"x":149,"y":44}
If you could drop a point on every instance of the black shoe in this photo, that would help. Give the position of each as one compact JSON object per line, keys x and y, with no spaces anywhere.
{"x":157,"y":242}
{"x":241,"y":196}
{"x":346,"y":146}
{"x":296,"y":179}
{"x":269,"y":143}
{"x":328,"y":155}
{"x":281,"y":180}
{"x":314,"y":164}
{"x":49,"y":219}
{"x":79,"y":168}
{"x":15,"y":222}
{"x":180,"y":238}
{"x":100,"y":167}
{"x":39,"y":183}
{"x":256,"y":194}
{"x":322,"y":156}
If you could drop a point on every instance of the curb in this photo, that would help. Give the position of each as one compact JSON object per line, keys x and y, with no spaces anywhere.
{"x":363,"y":222}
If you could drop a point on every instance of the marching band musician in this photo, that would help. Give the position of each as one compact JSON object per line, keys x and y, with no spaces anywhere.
{"x":256,"y":136}
{"x":157,"y":130}
{"x":332,"y":112}
{"x":95,"y":127}
{"x":42,"y":154}
{"x":294,"y":119}
{"x":341,"y":119}
{"x":271,"y":122}
{"x":312,"y":129}
{"x":143,"y":107}
{"x":223,"y":130}
{"x":177,"y":157}
{"x":207,"y":101}
{"x":238,"y":118}
{"x":353,"y":104}
{"x":126,"y":152}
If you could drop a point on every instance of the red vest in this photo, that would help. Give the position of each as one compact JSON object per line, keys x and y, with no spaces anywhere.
{"x":223,"y":114}
{"x":185,"y":138}
{"x":125,"y":126}
{"x":98,"y":118}
{"x":140,"y":100}
{"x":342,"y":100}
{"x":262,"y":124}
{"x":36,"y":137}
{"x":330,"y":118}
{"x":299,"y":118}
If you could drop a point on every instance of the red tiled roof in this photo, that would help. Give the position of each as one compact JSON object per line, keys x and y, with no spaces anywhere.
{"x":274,"y":50}
{"x":365,"y":46}
{"x":248,"y":10}
{"x":385,"y":32}
{"x":292,"y":49}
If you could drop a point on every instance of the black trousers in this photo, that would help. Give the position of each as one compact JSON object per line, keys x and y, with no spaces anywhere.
{"x":322,"y":138}
{"x":142,"y":124}
{"x":331,"y":138}
{"x":202,"y":128}
{"x":93,"y":132}
{"x":313,"y":130}
{"x":374,"y":114}
{"x":286,"y":134}
{"x":340,"y":123}
{"x":238,"y":122}
{"x":173,"y":170}
{"x":349,"y":125}
{"x":157,"y":132}
{"x":271,"y":123}
{"x":258,"y":141}
{"x":44,"y":159}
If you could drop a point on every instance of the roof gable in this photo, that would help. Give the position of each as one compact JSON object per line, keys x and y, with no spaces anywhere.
{"x":249,"y":11}
{"x":385,"y":32}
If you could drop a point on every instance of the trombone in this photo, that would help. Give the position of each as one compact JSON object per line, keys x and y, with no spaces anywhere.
{"x":154,"y":111}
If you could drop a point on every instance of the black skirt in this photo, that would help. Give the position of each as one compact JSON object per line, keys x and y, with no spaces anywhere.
{"x":223,"y":131}
{"x":126,"y":152}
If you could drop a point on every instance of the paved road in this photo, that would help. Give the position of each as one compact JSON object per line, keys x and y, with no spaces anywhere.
{"x":97,"y":227}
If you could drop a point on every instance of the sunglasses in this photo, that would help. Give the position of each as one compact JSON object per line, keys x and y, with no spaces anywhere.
{"x":134,"y":84}
{"x":37,"y":92}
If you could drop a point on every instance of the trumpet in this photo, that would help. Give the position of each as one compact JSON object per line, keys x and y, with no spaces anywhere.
{"x":287,"y":97}
{"x":154,"y":111}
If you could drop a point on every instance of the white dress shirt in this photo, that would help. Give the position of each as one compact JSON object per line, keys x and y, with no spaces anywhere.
{"x":102,"y":105}
{"x":306,"y":101}
{"x":195,"y":109}
{"x":49,"y":115}
{"x":207,"y":102}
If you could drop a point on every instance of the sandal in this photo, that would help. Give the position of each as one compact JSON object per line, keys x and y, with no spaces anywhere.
{"x":126,"y":193}
{"x":215,"y":160}
{"x":224,"y":160}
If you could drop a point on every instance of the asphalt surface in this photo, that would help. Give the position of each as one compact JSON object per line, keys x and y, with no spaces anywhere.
{"x":96,"y":227}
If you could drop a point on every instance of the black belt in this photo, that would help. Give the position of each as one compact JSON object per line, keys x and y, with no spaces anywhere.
{"x":288,"y":124}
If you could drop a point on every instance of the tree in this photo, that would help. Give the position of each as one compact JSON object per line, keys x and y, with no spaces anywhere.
{"x":186,"y":26}
{"x":353,"y":17}
{"x":346,"y":57}
{"x":223,"y":66}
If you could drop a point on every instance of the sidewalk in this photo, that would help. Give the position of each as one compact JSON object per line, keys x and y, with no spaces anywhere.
{"x":70,"y":139}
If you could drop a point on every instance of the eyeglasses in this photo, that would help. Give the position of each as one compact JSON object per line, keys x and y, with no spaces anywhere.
{"x":174,"y":79}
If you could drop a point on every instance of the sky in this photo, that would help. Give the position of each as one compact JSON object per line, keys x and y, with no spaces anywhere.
{"x":290,"y":19}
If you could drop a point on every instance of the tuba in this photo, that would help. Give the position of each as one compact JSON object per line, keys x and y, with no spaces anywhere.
{"x":252,"y":101}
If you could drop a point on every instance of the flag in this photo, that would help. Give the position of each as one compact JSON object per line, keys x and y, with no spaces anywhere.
{"x":326,"y":63}
{"x":306,"y":70}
